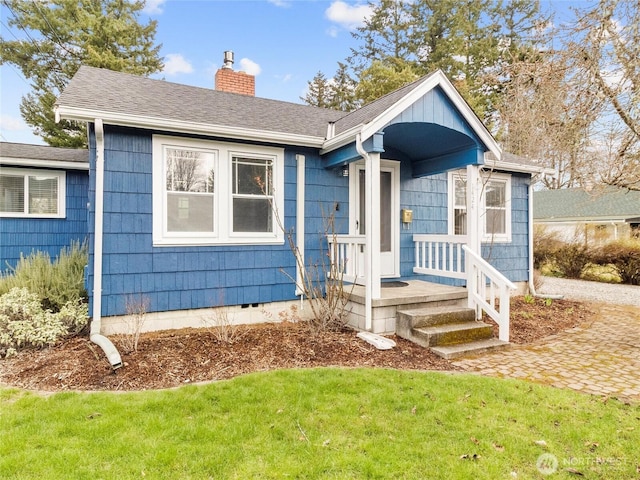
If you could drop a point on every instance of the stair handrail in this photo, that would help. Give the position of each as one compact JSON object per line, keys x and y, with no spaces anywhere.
{"x":478,"y":272}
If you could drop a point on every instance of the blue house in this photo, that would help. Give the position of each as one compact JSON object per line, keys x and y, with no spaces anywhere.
{"x":43,"y":200}
{"x":188,"y":185}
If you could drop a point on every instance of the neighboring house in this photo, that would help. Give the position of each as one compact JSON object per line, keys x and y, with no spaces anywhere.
{"x":43,"y":200}
{"x":595,"y":217}
{"x":184,"y":183}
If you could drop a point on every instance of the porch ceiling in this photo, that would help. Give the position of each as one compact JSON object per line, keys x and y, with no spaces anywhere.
{"x":431,"y":148}
{"x":421,"y":141}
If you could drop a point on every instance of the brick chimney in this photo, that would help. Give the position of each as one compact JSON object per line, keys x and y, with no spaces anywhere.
{"x":227,"y":80}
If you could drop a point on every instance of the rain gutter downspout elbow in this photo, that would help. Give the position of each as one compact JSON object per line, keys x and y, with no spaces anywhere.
{"x":96,"y":323}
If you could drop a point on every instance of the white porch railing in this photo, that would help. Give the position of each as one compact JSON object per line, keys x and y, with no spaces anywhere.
{"x":485,"y":285}
{"x":346,"y":253}
{"x":487,"y":289}
{"x":440,"y":255}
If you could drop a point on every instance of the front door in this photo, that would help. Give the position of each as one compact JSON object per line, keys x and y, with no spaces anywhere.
{"x":388,"y":210}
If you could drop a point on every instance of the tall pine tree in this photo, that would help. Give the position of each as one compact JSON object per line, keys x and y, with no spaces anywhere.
{"x":62,"y":35}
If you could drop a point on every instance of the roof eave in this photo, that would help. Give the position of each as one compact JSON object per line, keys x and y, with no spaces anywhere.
{"x":520,"y":168}
{"x":345,"y":138}
{"x":34,"y":162}
{"x":157,"y":123}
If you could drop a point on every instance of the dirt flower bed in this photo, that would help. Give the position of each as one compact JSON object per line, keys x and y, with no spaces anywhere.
{"x":179,"y":357}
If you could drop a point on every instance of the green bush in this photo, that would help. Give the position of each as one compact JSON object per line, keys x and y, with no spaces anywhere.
{"x":625,"y":256}
{"x":25,"y":323}
{"x":55,"y":283}
{"x":545,"y":245}
{"x":572,"y":258}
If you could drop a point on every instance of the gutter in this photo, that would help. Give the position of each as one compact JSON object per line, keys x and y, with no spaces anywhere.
{"x":300,"y":233}
{"x":183,"y":126}
{"x":96,"y":323}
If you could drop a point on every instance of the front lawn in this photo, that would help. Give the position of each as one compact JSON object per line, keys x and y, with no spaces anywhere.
{"x":322,"y":423}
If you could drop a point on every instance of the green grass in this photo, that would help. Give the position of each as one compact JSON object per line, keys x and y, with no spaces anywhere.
{"x":321,"y":423}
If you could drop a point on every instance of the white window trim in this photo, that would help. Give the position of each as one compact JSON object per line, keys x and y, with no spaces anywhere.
{"x":26,"y":173}
{"x":486,"y":176}
{"x":223,"y":206}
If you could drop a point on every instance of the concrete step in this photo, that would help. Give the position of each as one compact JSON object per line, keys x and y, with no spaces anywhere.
{"x":431,"y":316}
{"x":451,"y":333}
{"x":480,"y":346}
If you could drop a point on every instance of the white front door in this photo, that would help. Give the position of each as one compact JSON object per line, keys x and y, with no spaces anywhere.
{"x":389,"y":213}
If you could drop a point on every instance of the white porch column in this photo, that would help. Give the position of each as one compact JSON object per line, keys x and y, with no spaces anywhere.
{"x":372,"y":245}
{"x":474,"y":226}
{"x":474,"y":191}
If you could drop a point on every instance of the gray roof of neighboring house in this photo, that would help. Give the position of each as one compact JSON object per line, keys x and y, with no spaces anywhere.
{"x":24,"y":151}
{"x":579,"y":204}
{"x":126,"y":94}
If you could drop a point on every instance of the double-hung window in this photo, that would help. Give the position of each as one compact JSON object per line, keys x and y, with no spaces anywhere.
{"x":495,"y":206}
{"x":215,"y":193}
{"x":32,"y":193}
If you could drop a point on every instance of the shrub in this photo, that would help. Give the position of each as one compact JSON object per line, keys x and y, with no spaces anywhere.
{"x":625,"y":256}
{"x":545,"y":245}
{"x":571,"y":259}
{"x":55,"y":283}
{"x":25,"y":323}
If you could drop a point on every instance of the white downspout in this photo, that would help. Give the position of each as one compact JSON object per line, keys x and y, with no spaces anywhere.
{"x":96,"y":323}
{"x":532,"y":287}
{"x":300,"y":233}
{"x":372,"y":197}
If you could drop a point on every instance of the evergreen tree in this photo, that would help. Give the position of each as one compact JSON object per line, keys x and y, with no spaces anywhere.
{"x":319,"y":92}
{"x":343,"y":95}
{"x":468,"y":40}
{"x":62,"y":35}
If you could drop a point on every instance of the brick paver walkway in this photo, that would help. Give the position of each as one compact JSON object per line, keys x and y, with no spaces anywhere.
{"x":601,"y":358}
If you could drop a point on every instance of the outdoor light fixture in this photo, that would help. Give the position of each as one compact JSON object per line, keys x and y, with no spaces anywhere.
{"x":344,"y":171}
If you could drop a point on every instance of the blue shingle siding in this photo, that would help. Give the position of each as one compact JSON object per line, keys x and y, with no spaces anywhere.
{"x":25,"y":235}
{"x":324,"y":189}
{"x":512,"y":259}
{"x":179,"y":278}
{"x":192,"y":277}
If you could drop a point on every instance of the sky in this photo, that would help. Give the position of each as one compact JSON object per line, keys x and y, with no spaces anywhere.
{"x":284,"y":43}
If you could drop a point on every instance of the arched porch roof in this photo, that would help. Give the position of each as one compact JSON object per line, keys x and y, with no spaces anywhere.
{"x":427,"y":123}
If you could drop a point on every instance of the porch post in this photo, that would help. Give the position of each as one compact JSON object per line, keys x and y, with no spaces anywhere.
{"x":372,"y":245}
{"x":474,"y":233}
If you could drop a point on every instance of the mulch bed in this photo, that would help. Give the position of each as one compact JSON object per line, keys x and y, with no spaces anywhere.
{"x":178,"y":357}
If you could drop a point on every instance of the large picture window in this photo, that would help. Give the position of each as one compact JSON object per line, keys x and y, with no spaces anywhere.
{"x":495,"y":206}
{"x":32,"y":193}
{"x":209,"y":193}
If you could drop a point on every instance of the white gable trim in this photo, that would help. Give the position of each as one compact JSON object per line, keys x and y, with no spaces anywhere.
{"x":437,"y":78}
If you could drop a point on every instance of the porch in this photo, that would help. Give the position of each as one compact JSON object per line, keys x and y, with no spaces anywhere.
{"x":397,"y":296}
{"x":443,"y":317}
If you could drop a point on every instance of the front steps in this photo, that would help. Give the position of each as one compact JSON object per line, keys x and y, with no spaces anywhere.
{"x":449,"y":331}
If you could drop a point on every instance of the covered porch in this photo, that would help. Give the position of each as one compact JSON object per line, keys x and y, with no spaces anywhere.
{"x":429,"y":131}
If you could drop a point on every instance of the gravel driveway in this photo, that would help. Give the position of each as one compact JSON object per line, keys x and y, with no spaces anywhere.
{"x":592,"y":291}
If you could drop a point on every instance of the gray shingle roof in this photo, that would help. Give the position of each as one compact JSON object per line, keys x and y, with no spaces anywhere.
{"x":120,"y":93}
{"x":576,"y":203}
{"x":23,"y":151}
{"x":370,"y":111}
